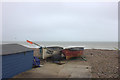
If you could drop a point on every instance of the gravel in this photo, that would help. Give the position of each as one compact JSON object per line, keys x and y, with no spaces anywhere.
{"x":104,"y":62}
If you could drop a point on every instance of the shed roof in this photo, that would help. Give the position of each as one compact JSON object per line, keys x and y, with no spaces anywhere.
{"x":13,"y":49}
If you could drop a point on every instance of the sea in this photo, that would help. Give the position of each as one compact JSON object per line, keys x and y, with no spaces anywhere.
{"x":67,"y":44}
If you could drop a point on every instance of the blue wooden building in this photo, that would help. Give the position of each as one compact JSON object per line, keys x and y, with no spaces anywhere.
{"x":15,"y":59}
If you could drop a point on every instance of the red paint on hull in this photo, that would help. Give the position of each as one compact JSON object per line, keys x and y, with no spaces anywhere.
{"x":69,"y":53}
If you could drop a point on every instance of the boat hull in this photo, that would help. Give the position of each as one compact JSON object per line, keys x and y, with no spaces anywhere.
{"x":69,"y":53}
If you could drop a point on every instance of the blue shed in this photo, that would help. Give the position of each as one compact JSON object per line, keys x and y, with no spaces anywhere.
{"x":15,"y":59}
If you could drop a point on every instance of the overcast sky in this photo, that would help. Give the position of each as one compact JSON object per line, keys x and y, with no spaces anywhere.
{"x":53,"y":21}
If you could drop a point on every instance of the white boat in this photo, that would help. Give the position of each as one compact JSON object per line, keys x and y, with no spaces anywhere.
{"x":50,"y":51}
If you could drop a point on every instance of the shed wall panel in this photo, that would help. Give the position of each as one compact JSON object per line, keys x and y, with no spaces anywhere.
{"x":14,"y":64}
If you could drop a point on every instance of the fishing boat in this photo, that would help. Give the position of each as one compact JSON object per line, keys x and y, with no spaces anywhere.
{"x":73,"y":52}
{"x":50,"y":51}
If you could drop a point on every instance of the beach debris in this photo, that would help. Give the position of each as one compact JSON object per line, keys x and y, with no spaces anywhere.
{"x":58,"y":62}
{"x":41,"y":65}
{"x":83,"y":58}
{"x":91,"y":54}
{"x":87,"y":67}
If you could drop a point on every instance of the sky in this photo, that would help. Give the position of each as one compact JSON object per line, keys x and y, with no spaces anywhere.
{"x":60,"y":21}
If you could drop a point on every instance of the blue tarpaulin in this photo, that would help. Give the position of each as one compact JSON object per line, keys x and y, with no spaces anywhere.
{"x":36,"y":61}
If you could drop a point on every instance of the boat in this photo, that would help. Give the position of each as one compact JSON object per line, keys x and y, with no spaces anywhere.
{"x":50,"y":51}
{"x":73,"y":52}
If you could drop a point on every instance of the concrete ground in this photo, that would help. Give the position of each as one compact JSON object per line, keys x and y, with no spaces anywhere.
{"x":71,"y":69}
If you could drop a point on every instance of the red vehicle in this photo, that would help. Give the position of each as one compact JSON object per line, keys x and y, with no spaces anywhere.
{"x":73,"y":52}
